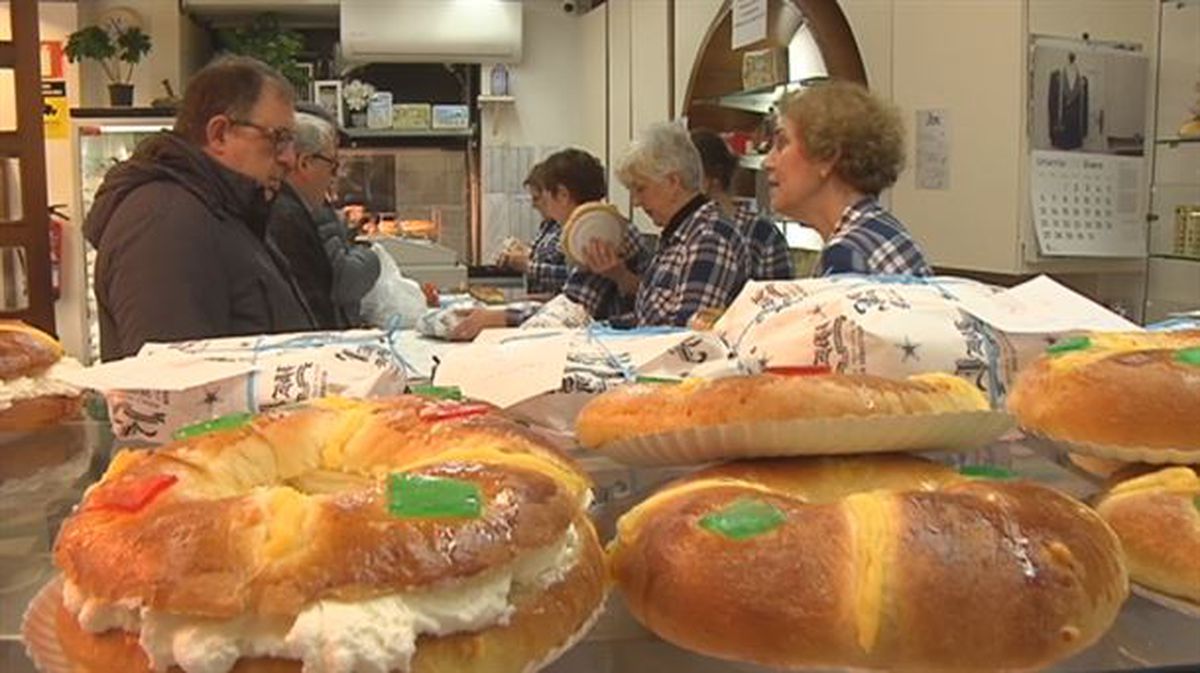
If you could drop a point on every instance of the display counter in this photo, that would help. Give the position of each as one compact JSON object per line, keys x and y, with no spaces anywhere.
{"x":37,"y":493}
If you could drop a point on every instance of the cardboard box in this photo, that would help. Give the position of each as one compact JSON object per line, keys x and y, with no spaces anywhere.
{"x":412,"y":116}
{"x":448,"y":117}
{"x":764,"y":67}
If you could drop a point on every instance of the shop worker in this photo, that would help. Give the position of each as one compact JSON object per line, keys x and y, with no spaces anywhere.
{"x":838,"y":146}
{"x":702,"y":262}
{"x":180,"y":227}
{"x":543,"y":264}
{"x":568,"y":179}
{"x":770,"y":257}
{"x":333,"y":272}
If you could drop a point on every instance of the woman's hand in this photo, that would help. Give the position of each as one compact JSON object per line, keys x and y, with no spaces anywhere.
{"x":601,"y":258}
{"x":516,"y":259}
{"x":472,"y":321}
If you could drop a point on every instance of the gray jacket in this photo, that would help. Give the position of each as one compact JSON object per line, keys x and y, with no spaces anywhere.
{"x":182,"y":253}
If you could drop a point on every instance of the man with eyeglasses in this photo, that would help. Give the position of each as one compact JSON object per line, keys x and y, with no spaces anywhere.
{"x":180,"y":228}
{"x":333,"y":272}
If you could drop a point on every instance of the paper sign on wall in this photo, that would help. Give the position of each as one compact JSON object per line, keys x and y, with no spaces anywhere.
{"x":1087,"y":204}
{"x":54,"y":110}
{"x":933,"y":149}
{"x":749,"y":22}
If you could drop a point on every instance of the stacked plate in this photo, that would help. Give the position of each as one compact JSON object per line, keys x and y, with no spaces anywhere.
{"x":590,"y":222}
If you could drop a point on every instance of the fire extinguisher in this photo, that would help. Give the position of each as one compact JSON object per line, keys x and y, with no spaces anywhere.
{"x":58,"y":221}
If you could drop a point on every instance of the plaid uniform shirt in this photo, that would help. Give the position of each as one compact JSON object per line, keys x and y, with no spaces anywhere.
{"x":870,"y":240}
{"x":770,"y":257}
{"x":601,"y":296}
{"x":547,"y":264}
{"x":701,"y":263}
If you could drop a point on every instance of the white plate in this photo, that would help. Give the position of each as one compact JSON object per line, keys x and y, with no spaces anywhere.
{"x":592,"y":221}
{"x":953,"y":431}
{"x":1128,"y":454}
{"x":1180,"y":605}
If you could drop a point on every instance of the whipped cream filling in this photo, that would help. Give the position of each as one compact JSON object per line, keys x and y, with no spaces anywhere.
{"x":378,"y":635}
{"x":47,"y":383}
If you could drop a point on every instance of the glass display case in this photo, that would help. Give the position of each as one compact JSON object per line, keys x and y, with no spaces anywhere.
{"x":99,"y":143}
{"x":1173,"y":266}
{"x":38,"y":489}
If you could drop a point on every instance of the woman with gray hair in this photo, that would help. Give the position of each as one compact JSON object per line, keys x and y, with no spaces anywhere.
{"x":837,"y":147}
{"x":701,"y":263}
{"x":333,"y":273}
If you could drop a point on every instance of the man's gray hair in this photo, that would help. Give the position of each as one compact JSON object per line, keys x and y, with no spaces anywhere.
{"x":659,"y":151}
{"x":314,"y":135}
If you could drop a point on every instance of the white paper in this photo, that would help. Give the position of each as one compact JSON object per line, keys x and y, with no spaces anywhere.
{"x":1087,"y":205}
{"x":161,"y":373}
{"x":749,"y":22}
{"x":510,"y":371}
{"x":1043,"y":306}
{"x":933,"y":149}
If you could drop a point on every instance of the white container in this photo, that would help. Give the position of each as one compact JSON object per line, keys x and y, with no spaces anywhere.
{"x":379,"y":110}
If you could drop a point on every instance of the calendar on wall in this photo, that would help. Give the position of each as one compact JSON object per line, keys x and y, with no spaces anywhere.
{"x":1087,"y":205}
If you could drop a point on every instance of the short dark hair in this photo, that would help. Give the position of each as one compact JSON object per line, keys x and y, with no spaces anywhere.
{"x":580,"y":173}
{"x":230,"y":85}
{"x":719,"y":163}
{"x":534,"y":179}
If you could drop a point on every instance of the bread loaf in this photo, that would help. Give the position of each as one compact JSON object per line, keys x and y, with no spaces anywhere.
{"x":404,"y":534}
{"x":883,"y":563}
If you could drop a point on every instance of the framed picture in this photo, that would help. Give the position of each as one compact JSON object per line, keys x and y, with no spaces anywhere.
{"x":328,"y":94}
{"x":305,"y":93}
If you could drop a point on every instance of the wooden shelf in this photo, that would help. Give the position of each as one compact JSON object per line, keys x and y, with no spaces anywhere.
{"x":495,"y":100}
{"x":356,"y":133}
{"x":1172,"y":141}
{"x":1176,"y":258}
{"x":760,"y":100}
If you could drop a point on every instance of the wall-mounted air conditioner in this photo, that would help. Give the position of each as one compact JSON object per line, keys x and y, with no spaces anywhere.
{"x":431,"y":31}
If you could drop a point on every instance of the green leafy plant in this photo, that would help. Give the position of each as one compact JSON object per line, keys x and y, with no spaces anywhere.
{"x":264,"y":39}
{"x":118,"y":49}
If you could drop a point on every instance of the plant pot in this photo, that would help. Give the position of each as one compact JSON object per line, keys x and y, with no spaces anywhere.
{"x":358,"y":120}
{"x":120,"y":95}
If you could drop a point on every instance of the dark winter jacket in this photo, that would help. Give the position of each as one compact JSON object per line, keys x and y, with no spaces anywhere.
{"x":331,"y":271}
{"x":182,"y":253}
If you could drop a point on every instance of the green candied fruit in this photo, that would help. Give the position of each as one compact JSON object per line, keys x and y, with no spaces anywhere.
{"x":1188,"y":356}
{"x":987,"y":472}
{"x":744,"y":518}
{"x":657,"y":379}
{"x":439,"y":392}
{"x":228,"y":422}
{"x":1196,"y":502}
{"x":1080,"y":343}
{"x":414,"y":496}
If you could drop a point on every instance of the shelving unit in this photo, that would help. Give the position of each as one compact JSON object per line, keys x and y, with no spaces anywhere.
{"x":1173,"y":277}
{"x":355,"y":133}
{"x":761,"y":100}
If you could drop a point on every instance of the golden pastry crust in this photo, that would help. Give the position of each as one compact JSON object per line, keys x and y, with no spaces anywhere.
{"x":293,"y":508}
{"x":1116,"y":389}
{"x":647,"y":408}
{"x":1157,"y":517}
{"x":36,"y":413}
{"x":25,"y":350}
{"x":882,"y":562}
{"x":542,"y":622}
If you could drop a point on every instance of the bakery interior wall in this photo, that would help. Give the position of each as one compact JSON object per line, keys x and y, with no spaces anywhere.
{"x":56,"y":20}
{"x":970,"y":58}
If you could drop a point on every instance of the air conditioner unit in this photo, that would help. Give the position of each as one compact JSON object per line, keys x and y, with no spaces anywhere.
{"x":431,"y":31}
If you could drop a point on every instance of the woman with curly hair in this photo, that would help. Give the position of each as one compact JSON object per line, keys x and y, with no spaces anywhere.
{"x":837,"y":147}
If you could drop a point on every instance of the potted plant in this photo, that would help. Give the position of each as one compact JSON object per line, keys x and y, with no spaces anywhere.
{"x":117,"y":49}
{"x":357,"y":95}
{"x":266,"y":40}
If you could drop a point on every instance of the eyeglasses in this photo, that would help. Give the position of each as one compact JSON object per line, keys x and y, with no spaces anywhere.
{"x":280,"y":136}
{"x":334,"y":164}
